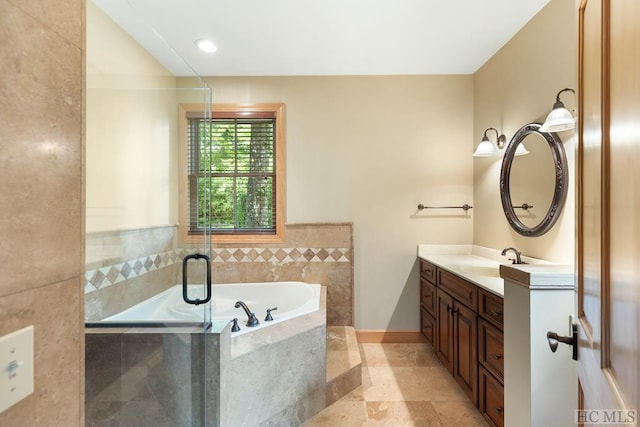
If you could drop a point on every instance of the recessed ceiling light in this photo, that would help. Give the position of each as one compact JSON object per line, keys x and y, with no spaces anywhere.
{"x":206,"y":45}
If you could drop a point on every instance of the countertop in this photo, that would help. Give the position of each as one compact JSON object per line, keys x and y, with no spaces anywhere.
{"x":477,"y":264}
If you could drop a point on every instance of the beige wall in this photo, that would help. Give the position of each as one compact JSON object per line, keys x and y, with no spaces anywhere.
{"x":368,"y":150}
{"x":518,"y":86}
{"x":41,"y":202}
{"x":131,"y":131}
{"x":363,"y":149}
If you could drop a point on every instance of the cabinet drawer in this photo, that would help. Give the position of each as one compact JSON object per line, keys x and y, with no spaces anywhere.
{"x":460,"y":289}
{"x":428,"y":296}
{"x":428,"y":326}
{"x":491,"y":349}
{"x":428,"y":271}
{"x":490,"y":307}
{"x":491,"y":403}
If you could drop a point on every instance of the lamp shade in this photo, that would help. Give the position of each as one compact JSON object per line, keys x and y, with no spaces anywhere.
{"x":559,"y":119}
{"x":486,"y":148}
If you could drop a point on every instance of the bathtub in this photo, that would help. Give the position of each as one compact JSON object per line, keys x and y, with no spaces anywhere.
{"x":293,"y":299}
{"x":145,"y":350}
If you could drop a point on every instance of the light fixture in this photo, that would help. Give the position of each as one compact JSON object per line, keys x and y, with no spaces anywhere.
{"x":487,"y":148}
{"x":206,"y":45}
{"x":559,"y":118}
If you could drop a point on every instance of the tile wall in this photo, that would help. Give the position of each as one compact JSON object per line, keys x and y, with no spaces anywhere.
{"x":126,"y":267}
{"x":41,"y":201}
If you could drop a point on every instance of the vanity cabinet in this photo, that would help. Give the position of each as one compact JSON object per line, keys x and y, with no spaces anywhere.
{"x":444,"y":329}
{"x":464,"y":322}
{"x":491,"y":358}
{"x":491,"y":404}
{"x":457,"y":342}
{"x":428,"y":301}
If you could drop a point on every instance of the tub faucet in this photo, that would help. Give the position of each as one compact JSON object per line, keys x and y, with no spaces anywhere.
{"x":517,"y":259}
{"x":252,"y":320}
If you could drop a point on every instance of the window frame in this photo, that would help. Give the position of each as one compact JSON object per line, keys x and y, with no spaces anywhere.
{"x":278,"y":109}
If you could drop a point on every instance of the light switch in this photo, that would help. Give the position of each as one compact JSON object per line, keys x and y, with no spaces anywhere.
{"x":16,"y":367}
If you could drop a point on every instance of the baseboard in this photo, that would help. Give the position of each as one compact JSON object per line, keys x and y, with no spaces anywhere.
{"x":385,"y":336}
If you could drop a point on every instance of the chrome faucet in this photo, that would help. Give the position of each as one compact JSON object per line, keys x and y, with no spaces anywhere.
{"x":517,"y":259}
{"x":252,"y":320}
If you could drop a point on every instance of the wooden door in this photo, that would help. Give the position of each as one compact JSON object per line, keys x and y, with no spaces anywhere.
{"x":444,"y":339}
{"x":465,"y":350}
{"x":608,"y":202}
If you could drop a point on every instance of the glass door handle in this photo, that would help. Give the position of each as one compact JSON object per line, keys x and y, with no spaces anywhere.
{"x":185,"y":282}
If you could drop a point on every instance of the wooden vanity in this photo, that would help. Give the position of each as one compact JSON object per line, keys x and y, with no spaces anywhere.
{"x":464,"y":323}
{"x":472,"y":301}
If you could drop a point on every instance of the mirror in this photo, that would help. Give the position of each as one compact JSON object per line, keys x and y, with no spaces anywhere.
{"x":533,"y":188}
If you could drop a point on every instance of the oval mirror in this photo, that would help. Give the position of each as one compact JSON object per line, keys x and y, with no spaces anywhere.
{"x":533,"y":187}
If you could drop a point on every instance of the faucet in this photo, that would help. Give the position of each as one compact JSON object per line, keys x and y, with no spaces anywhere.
{"x":252,"y":320}
{"x":517,"y":259}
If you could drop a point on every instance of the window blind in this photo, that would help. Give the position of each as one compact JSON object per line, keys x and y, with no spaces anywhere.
{"x":231,"y":174}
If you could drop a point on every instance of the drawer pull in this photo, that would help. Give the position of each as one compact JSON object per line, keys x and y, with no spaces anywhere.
{"x":498,"y":410}
{"x":496,"y":313}
{"x":496,"y":356}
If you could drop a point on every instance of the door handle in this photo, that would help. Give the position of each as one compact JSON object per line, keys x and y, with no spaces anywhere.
{"x":185,"y":294}
{"x":554,"y":339}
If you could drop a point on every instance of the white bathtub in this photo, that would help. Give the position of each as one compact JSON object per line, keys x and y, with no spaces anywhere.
{"x":293,"y":299}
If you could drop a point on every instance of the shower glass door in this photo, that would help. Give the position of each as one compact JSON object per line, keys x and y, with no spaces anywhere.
{"x":146,"y":341}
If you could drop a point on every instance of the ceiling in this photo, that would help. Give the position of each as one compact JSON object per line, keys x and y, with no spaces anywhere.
{"x":322,"y":37}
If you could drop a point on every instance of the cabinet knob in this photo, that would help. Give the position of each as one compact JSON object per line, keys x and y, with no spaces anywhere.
{"x":496,"y":356}
{"x":498,"y":410}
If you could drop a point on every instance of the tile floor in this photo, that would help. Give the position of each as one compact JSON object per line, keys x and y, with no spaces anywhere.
{"x":402,"y":385}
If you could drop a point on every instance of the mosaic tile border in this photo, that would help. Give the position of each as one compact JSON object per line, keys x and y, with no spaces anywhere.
{"x":112,"y":274}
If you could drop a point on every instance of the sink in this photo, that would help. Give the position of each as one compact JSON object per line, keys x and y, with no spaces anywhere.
{"x":476,"y":270}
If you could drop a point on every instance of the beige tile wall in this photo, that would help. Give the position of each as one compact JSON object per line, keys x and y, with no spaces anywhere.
{"x":126,"y":267}
{"x":41,"y":215}
{"x":306,"y":261}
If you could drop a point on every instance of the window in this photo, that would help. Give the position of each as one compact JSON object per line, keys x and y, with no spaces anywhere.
{"x":232,"y":173}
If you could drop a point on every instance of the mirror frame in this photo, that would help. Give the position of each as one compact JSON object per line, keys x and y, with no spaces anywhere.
{"x":560,"y":190}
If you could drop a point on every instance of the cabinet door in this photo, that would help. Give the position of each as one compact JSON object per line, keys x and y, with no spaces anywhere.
{"x":428,"y":326}
{"x":491,"y":308}
{"x":428,"y":296}
{"x":428,"y":271}
{"x":491,"y":348}
{"x":465,"y":336}
{"x":444,"y":334}
{"x":491,"y":404}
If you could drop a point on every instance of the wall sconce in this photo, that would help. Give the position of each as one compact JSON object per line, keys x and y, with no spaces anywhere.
{"x":486,"y":148}
{"x":559,"y":118}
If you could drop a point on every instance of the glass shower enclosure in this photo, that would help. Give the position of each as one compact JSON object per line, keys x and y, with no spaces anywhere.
{"x":146,"y":362}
